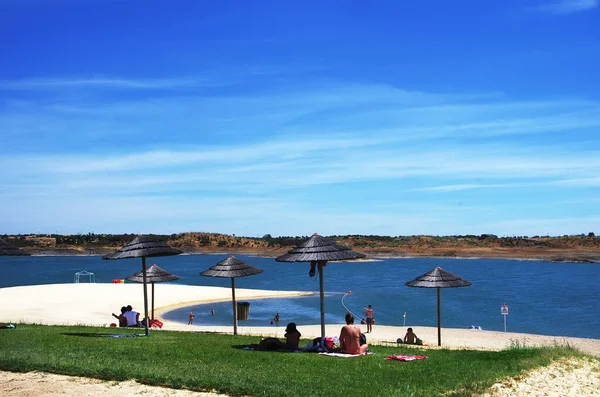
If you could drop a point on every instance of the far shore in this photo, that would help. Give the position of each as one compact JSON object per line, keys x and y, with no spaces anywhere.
{"x":375,"y":256}
{"x":92,"y":304}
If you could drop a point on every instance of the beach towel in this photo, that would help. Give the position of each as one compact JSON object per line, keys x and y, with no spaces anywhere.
{"x":344,"y":355}
{"x":124,"y":335}
{"x":256,"y":348}
{"x":404,"y":357}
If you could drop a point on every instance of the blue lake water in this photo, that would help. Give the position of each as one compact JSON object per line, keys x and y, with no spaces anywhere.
{"x":543,"y":298}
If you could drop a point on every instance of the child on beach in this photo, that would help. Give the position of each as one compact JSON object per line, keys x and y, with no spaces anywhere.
{"x":411,"y":338}
{"x":121,"y":317}
{"x":191,"y":318}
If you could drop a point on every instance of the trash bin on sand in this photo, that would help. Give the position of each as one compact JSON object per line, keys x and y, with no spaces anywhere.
{"x":243,"y":309}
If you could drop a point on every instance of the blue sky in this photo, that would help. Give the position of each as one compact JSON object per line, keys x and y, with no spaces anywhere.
{"x":289,"y":118}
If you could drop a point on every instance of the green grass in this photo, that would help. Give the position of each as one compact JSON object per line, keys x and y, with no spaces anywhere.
{"x":214,"y":362}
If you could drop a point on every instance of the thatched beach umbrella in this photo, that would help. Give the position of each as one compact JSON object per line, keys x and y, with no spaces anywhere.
{"x":231,"y":267}
{"x":142,"y":247}
{"x":7,"y":249}
{"x":154,"y":274}
{"x":318,"y":251}
{"x":438,"y":278}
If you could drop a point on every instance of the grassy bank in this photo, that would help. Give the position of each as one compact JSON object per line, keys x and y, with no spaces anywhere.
{"x":202,"y":361}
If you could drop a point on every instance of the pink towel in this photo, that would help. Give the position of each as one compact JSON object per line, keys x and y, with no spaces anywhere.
{"x":404,"y":357}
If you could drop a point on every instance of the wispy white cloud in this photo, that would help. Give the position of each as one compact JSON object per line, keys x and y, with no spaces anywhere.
{"x":354,"y":158}
{"x":568,"y":6}
{"x":101,"y":82}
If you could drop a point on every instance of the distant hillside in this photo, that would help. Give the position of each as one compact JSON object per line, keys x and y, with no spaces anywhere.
{"x":578,"y":247}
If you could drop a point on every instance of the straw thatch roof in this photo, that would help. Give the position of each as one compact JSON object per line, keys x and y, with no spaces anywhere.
{"x":438,"y":278}
{"x":231,"y":267}
{"x":7,"y":249}
{"x":143,"y":247}
{"x":154,"y":274}
{"x":318,"y":248}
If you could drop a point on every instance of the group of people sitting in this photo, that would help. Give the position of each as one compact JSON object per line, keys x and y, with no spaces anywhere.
{"x":351,"y":341}
{"x":129,"y":317}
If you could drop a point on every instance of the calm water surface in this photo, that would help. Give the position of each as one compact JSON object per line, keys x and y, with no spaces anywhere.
{"x":543,"y":298}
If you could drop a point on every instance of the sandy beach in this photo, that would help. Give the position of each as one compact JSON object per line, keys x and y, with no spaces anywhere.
{"x":92,"y":304}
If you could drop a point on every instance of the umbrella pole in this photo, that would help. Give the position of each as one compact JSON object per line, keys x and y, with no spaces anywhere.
{"x":152,"y":301}
{"x":439,"y":319}
{"x":234,"y":306}
{"x":321,"y":264}
{"x":145,"y":294}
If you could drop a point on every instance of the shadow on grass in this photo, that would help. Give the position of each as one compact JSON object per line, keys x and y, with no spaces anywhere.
{"x":100,"y":335}
{"x":255,"y":348}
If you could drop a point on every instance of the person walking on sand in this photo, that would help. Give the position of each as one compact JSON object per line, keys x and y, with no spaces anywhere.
{"x":191,"y":318}
{"x":369,"y":315}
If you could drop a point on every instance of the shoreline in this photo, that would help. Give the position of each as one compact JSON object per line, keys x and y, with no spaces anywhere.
{"x":371,"y":257}
{"x":92,"y":304}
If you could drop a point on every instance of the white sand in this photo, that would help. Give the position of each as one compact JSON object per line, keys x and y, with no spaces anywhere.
{"x":40,"y":384}
{"x":92,"y":304}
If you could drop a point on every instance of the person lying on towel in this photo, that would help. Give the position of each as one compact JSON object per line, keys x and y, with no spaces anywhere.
{"x":350,"y":337}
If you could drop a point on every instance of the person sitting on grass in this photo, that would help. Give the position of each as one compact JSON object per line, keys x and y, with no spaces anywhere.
{"x":350,"y":337}
{"x":121,"y":317}
{"x":411,"y":338}
{"x":132,"y":317}
{"x":292,"y":339}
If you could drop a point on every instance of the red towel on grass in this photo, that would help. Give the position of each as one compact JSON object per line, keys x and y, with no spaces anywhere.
{"x":404,"y":357}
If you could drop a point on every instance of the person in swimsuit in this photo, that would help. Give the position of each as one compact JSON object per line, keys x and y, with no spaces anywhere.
{"x":350,"y":337}
{"x":369,"y":315}
{"x":411,"y":338}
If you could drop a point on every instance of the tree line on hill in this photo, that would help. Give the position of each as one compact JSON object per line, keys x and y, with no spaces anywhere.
{"x":217,"y":240}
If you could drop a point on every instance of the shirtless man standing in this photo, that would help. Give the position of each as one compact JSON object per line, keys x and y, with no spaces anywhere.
{"x":350,"y":337}
{"x":369,"y":314}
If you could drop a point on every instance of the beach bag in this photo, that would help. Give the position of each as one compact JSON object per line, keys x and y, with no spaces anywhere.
{"x":329,"y":342}
{"x":156,"y":324}
{"x":322,"y":345}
